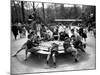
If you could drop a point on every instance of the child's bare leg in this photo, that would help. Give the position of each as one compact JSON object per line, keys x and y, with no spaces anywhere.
{"x":75,"y":54}
{"x":18,"y":51}
{"x":26,"y":52}
{"x":23,"y":47}
{"x":54,"y":59}
{"x":85,"y":39}
{"x":48,"y":57}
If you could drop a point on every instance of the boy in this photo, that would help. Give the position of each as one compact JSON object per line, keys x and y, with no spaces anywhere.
{"x":66,"y":44}
{"x":53,"y":53}
{"x":69,"y":48}
{"x":30,"y":46}
{"x":77,"y":43}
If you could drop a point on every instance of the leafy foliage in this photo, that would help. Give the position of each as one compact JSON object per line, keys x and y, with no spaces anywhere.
{"x":19,"y":13}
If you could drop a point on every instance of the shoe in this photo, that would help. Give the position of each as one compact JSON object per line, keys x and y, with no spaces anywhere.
{"x":47,"y":62}
{"x":76,"y":60}
{"x":14,"y":55}
{"x":55,"y":65}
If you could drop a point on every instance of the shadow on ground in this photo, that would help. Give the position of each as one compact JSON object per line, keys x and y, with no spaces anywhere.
{"x":38,"y":60}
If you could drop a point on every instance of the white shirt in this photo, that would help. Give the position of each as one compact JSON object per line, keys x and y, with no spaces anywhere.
{"x":61,"y":28}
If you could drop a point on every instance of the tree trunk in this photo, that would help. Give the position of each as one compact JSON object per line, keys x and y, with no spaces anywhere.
{"x":16,"y":14}
{"x":22,"y":5}
{"x":43,"y":12}
{"x":33,"y":6}
{"x":55,"y":11}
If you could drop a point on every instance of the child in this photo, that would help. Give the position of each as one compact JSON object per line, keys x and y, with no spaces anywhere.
{"x":78,"y":44}
{"x":66,"y":44}
{"x":69,"y":48}
{"x":53,"y":52}
{"x":29,"y":46}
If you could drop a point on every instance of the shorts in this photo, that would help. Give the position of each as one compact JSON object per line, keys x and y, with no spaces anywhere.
{"x":54,"y":52}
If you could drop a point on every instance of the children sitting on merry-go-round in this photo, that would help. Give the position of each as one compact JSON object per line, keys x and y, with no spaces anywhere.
{"x":72,"y":45}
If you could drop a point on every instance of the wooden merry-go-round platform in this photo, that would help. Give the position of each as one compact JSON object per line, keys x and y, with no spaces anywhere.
{"x":43,"y":47}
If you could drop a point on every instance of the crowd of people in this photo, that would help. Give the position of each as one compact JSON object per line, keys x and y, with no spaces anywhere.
{"x":74,"y":38}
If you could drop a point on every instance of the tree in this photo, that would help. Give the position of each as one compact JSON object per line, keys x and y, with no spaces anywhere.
{"x":74,"y":12}
{"x":62,"y":12}
{"x":22,"y":5}
{"x":43,"y":12}
{"x":50,"y":14}
{"x":86,"y":15}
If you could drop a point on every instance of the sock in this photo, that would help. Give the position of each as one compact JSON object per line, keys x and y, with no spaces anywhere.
{"x":54,"y":63}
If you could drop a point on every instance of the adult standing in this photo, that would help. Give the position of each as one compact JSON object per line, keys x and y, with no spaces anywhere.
{"x":14,"y":29}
